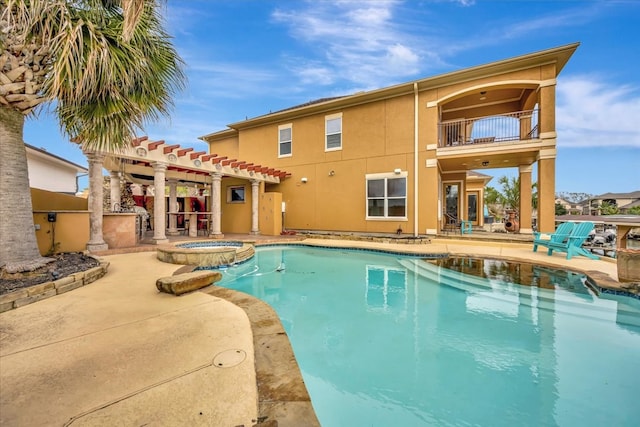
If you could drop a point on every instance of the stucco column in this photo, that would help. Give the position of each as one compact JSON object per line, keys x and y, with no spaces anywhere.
{"x":547,"y":109}
{"x":255,"y":190}
{"x":216,"y":179}
{"x":430,"y":200}
{"x":525,"y":208}
{"x":96,"y":199}
{"x":547,"y":191}
{"x":173,"y":208}
{"x":159,"y":212}
{"x":114,"y":186}
{"x":525,"y":126}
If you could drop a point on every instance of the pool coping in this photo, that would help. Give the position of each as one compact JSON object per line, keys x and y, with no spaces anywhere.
{"x":283,"y":397}
{"x":599,"y":282}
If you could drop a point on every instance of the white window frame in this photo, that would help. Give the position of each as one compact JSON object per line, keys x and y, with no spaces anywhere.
{"x":385,"y":177}
{"x":230,"y":194}
{"x":327,"y":119}
{"x":280,"y":141}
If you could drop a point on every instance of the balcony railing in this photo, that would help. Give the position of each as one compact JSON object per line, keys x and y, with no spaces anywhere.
{"x":518,"y":126}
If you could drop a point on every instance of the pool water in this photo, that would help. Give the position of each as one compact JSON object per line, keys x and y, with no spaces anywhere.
{"x":386,"y":340}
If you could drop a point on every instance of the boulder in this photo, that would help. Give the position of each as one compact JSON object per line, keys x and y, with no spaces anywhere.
{"x":187,"y":282}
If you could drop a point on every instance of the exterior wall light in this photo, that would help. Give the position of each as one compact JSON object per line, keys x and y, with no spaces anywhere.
{"x":397,"y":171}
{"x":303,"y":180}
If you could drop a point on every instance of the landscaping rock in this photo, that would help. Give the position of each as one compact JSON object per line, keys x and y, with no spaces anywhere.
{"x":187,"y":282}
{"x":628,"y":265}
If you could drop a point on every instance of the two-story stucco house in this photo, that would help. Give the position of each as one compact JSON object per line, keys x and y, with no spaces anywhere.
{"x":400,"y":157}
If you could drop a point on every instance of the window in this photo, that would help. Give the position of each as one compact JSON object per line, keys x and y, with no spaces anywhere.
{"x":285,"y":139}
{"x":333,"y":125}
{"x":235,"y":194}
{"x":387,"y":196}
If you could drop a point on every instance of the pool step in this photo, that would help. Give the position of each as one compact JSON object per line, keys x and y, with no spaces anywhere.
{"x":559,"y":300}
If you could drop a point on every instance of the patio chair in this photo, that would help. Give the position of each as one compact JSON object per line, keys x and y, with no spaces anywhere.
{"x":573,"y":244}
{"x":561,"y":234}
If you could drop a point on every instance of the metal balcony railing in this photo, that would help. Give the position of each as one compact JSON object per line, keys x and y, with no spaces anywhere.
{"x":517,"y":126}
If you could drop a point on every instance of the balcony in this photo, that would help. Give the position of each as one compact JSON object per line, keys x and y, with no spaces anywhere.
{"x":517,"y":126}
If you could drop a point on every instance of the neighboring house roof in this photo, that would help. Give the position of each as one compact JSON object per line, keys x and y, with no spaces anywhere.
{"x":632,"y":195}
{"x":41,"y":152}
{"x":632,"y":204}
{"x":559,"y":55}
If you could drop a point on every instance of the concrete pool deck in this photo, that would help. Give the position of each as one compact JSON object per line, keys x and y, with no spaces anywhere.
{"x":118,"y":352}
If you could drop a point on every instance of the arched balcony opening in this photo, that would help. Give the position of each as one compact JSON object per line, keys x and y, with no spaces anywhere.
{"x":487,"y":115}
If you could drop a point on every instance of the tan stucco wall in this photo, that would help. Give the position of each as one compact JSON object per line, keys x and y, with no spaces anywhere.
{"x":70,"y":231}
{"x":377,"y":138}
{"x":48,"y":200}
{"x":71,"y":227}
{"x":225,"y":147}
{"x":236,"y":217}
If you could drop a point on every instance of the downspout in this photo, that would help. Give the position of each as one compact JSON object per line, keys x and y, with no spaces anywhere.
{"x":415,"y":161}
{"x":78,"y":181}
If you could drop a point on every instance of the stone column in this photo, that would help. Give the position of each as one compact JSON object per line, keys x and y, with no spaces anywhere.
{"x":115,"y":192}
{"x":173,"y":208}
{"x":255,"y":190}
{"x":525,"y":208}
{"x":96,"y":199}
{"x":216,"y":178}
{"x":159,"y":212}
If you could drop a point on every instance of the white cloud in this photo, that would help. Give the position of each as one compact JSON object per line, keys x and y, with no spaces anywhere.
{"x":593,"y":112}
{"x":225,"y":80}
{"x":314,"y":73}
{"x":357,"y":41}
{"x":464,"y":2}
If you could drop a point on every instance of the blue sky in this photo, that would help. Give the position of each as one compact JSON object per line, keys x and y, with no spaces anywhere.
{"x":245,"y":58}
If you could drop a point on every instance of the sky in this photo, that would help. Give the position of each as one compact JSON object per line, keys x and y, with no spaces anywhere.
{"x":245,"y":58}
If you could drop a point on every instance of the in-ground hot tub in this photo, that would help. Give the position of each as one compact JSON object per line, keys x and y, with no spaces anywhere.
{"x":209,"y":253}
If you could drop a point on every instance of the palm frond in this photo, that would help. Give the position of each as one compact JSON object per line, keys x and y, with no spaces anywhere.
{"x":108,"y":68}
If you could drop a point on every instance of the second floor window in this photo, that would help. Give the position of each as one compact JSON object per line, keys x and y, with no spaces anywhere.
{"x":285,"y":140}
{"x":333,"y":125}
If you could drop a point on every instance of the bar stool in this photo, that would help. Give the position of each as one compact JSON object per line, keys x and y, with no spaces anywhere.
{"x":203,"y":225}
{"x":185,"y":224}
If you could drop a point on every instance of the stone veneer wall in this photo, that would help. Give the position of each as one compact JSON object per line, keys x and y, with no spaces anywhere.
{"x":35,"y":293}
{"x":119,"y":229}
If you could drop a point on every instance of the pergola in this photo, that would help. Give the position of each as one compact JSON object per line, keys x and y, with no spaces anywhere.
{"x":155,"y":161}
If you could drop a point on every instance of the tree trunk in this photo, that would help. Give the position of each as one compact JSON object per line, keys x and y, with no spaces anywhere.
{"x":18,"y":245}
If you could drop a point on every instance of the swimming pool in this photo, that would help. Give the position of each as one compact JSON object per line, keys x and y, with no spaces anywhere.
{"x":390,"y":340}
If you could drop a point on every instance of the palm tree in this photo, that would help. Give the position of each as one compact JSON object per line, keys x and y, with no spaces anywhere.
{"x":108,"y":66}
